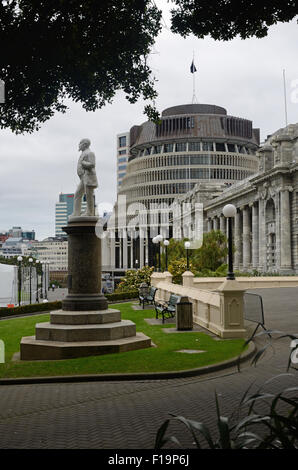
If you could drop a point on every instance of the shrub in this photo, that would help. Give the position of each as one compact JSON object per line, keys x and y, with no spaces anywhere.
{"x":134,"y":278}
{"x":177,"y":268}
{"x":133,"y":294}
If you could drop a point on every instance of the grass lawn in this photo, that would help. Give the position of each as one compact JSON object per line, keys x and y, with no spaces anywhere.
{"x":162,"y":358}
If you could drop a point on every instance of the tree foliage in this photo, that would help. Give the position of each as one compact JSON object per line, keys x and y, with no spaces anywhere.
{"x":87,"y":51}
{"x":213,"y":251}
{"x":207,"y":260}
{"x":230,"y":18}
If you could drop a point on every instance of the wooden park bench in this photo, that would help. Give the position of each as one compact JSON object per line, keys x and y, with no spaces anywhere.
{"x":147,"y":298}
{"x":168,"y":309}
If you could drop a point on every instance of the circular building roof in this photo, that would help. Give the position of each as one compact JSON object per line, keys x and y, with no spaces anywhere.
{"x":194,"y":109}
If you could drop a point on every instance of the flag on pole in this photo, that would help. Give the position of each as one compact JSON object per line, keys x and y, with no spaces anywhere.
{"x":193,"y":67}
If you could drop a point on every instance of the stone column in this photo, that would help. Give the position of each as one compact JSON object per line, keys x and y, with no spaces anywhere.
{"x":237,"y":235}
{"x":255,"y":236}
{"x":112,"y":248}
{"x":285,"y":232}
{"x":222,"y":224}
{"x":215,"y":223}
{"x":262,"y":236}
{"x":124,"y":241}
{"x":246,"y":238}
{"x":209,"y":225}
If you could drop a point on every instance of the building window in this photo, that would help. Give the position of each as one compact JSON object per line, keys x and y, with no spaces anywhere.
{"x":220,"y":147}
{"x":194,"y":146}
{"x":168,"y":148}
{"x":122,"y":141}
{"x":181,"y":147}
{"x":208,"y":146}
{"x":122,"y":152}
{"x":121,"y":167}
{"x":122,"y":159}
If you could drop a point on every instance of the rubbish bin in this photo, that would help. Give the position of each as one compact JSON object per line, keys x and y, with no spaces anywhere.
{"x":184,"y":320}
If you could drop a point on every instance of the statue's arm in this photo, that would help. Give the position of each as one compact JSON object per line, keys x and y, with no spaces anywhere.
{"x":87,"y":165}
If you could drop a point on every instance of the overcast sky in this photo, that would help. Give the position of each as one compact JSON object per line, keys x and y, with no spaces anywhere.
{"x":245,"y":77}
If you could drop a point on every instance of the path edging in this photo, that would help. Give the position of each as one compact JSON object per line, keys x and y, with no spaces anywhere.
{"x":133,"y":376}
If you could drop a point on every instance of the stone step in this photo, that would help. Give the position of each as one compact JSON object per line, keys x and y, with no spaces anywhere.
{"x":96,"y":332}
{"x":90,"y":317}
{"x":33,"y":349}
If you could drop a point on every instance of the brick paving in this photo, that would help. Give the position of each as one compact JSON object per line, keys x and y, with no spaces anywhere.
{"x":127,"y":414}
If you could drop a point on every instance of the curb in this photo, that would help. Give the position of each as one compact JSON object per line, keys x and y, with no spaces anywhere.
{"x":133,"y":376}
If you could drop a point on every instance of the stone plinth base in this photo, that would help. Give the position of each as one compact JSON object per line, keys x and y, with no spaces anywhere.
{"x":80,"y":302}
{"x":78,"y":334}
{"x":33,"y":349}
{"x":62,"y":317}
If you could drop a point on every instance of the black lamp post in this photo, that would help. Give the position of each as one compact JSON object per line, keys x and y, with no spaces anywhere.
{"x":157,"y":240}
{"x":229,"y":211}
{"x":166,"y":244}
{"x":41,"y":291}
{"x":20,"y":259}
{"x":30,"y":280}
{"x":187,"y":246}
{"x":36,"y":267}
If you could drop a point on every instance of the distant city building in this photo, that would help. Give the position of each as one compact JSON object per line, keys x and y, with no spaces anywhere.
{"x":14,"y":246}
{"x":18,"y":232}
{"x":15,"y":241}
{"x":122,"y":156}
{"x":64,"y":208}
{"x":52,"y":250}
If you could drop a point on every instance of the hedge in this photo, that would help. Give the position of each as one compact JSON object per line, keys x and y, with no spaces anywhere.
{"x":31,"y":308}
{"x":45,"y":307}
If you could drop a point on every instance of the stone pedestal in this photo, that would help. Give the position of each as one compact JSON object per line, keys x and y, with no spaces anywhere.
{"x":85,"y":326}
{"x":84,"y":266}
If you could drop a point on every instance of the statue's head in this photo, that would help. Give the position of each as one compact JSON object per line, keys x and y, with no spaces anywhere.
{"x":84,"y":144}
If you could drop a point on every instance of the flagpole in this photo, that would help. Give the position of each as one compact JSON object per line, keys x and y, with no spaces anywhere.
{"x":194,"y":98}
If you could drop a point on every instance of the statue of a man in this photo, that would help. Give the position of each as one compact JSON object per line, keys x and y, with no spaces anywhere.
{"x":87,"y":174}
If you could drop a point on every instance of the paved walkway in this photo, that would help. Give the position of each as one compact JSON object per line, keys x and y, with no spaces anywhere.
{"x":126,"y":415}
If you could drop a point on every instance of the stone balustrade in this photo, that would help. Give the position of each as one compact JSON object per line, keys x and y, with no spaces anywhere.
{"x":220,"y":311}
